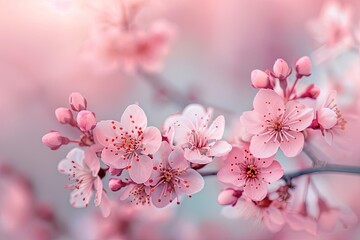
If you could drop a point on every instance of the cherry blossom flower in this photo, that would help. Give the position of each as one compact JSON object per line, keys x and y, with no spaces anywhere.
{"x":151,"y":47}
{"x":254,"y":174}
{"x":138,"y":194}
{"x":301,"y":220}
{"x":263,"y":211}
{"x":192,"y":132}
{"x":82,"y":168}
{"x":329,"y":217}
{"x":128,"y":143}
{"x":172,"y":176}
{"x":329,"y":118}
{"x":275,"y":123}
{"x":332,"y":30}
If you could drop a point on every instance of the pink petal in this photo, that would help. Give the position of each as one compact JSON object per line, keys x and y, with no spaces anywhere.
{"x":177,"y":160}
{"x":98,"y":185}
{"x":327,"y":118}
{"x":109,"y":157}
{"x":105,"y":131}
{"x":134,"y":118}
{"x":92,"y":161}
{"x":182,"y":130}
{"x":271,"y":173}
{"x":77,"y":155}
{"x":260,"y":147}
{"x":220,"y":148}
{"x":253,"y":122}
{"x":329,"y":136}
{"x":216,"y":129}
{"x":259,"y":162}
{"x":65,"y":166}
{"x":298,"y":116}
{"x":273,"y":219}
{"x":275,"y":215}
{"x":255,"y":190}
{"x":162,"y":155}
{"x":293,"y":146}
{"x":298,"y":222}
{"x":268,"y":101}
{"x":81,"y":197}
{"x":152,"y":140}
{"x":195,"y":182}
{"x":196,"y":114}
{"x":140,"y":171}
{"x":231,"y":175}
{"x":236,"y":155}
{"x":124,"y":192}
{"x":161,"y":197}
{"x":105,"y":205}
{"x":195,"y":156}
{"x":328,"y":220}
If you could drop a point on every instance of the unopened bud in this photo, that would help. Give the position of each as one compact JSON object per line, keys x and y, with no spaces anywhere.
{"x":303,"y":66}
{"x":86,"y":120}
{"x":77,"y":102}
{"x":281,"y":69}
{"x":116,"y":184}
{"x":54,"y":140}
{"x":115,"y":171}
{"x":229,"y":196}
{"x":64,"y":115}
{"x":259,"y":79}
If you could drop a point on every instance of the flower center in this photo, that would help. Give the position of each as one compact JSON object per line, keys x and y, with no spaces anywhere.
{"x":277,"y":125}
{"x":168,"y":175}
{"x":139,"y":195}
{"x":197,"y":140}
{"x":251,"y":171}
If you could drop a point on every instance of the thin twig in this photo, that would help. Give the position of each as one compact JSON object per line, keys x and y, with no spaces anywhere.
{"x":329,"y":168}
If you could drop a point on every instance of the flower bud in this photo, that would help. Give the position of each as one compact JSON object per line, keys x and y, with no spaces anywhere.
{"x":54,"y":140}
{"x":116,"y":184}
{"x":259,"y":79}
{"x":77,"y":102}
{"x":229,"y":196}
{"x":281,"y":69}
{"x":86,"y":120}
{"x":115,"y":172}
{"x":64,"y":115}
{"x":303,"y":66}
{"x":311,"y":92}
{"x":327,"y":118}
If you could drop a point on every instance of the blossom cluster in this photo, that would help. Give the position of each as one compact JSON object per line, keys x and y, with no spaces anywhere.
{"x":158,"y":167}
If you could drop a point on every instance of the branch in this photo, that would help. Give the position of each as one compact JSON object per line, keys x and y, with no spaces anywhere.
{"x":329,"y":168}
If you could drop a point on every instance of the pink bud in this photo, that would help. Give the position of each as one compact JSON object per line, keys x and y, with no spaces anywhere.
{"x":259,"y":79}
{"x":77,"y":102}
{"x":303,"y":66}
{"x":281,"y":69}
{"x":229,"y":196}
{"x":86,"y":120}
{"x":54,"y":140}
{"x":327,"y":118}
{"x":64,"y":115}
{"x":311,"y":92}
{"x":115,"y":172}
{"x":116,"y":184}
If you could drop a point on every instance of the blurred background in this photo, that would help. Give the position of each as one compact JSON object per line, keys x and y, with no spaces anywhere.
{"x":44,"y":47}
